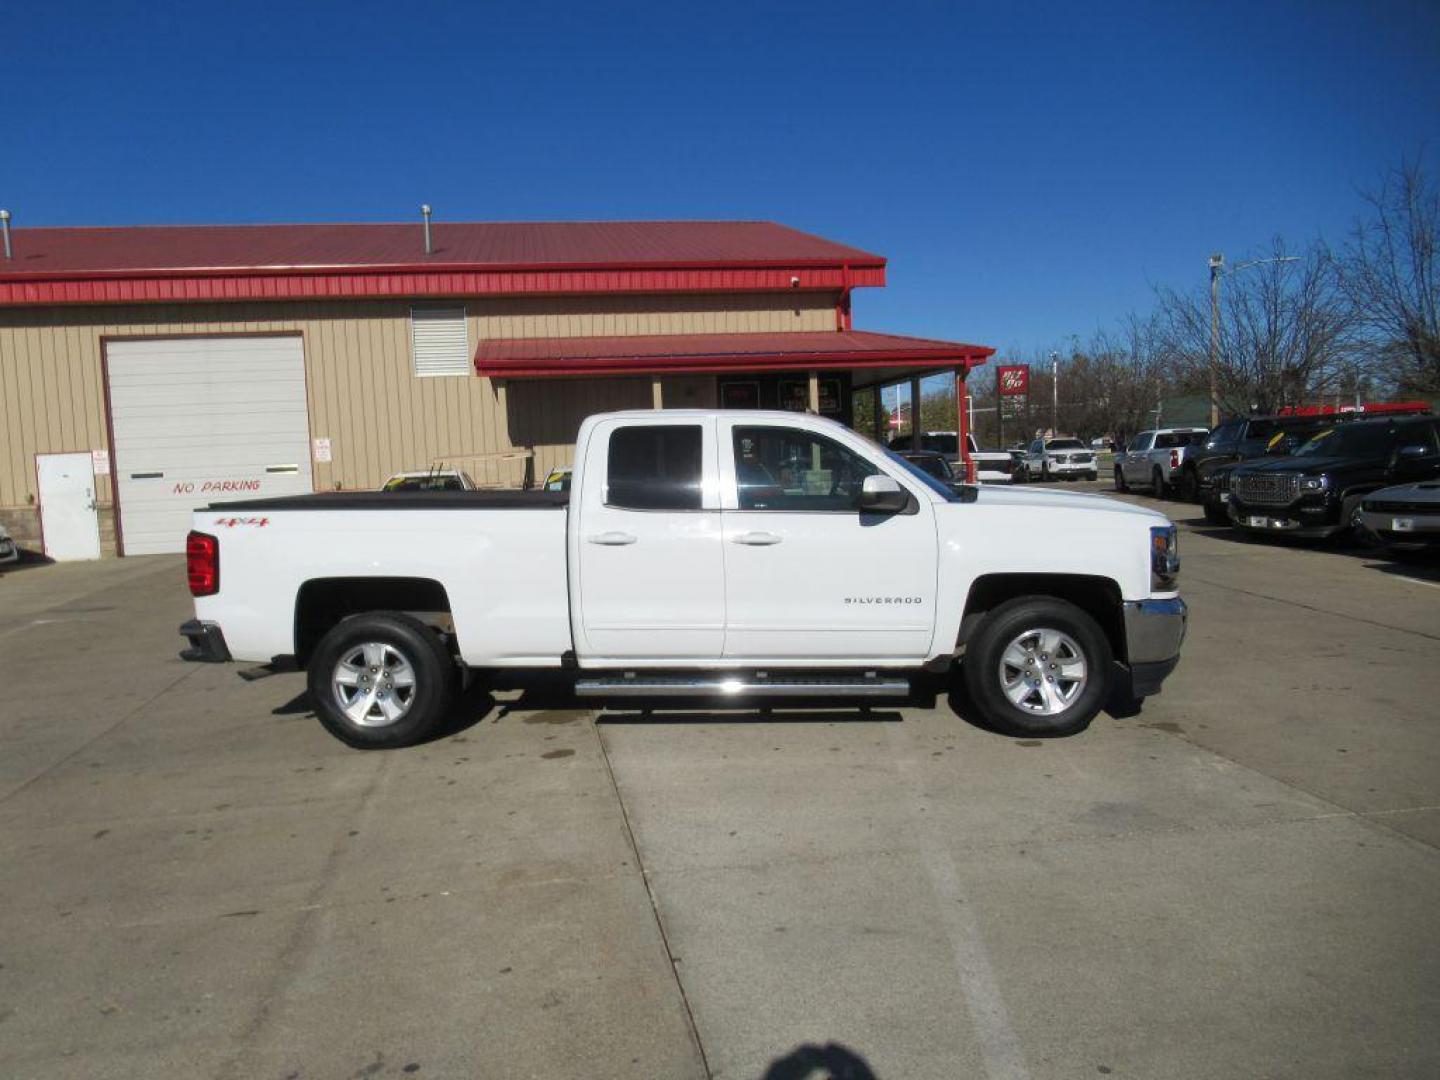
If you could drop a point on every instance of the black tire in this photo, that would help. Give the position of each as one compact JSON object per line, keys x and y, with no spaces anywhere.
{"x":1092,"y":476}
{"x":431,"y":693}
{"x":1190,"y":486}
{"x":1216,"y":514}
{"x":1158,"y":487}
{"x":1120,"y":484}
{"x":1013,"y":619}
{"x":1354,"y":531}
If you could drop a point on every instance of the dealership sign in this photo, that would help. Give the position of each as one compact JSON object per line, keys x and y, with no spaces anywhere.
{"x":1012,"y":380}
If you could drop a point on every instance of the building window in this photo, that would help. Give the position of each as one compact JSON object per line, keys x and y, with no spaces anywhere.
{"x":654,"y":467}
{"x":439,"y":341}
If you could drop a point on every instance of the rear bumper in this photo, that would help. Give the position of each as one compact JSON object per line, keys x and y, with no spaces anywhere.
{"x":1154,"y":632}
{"x":207,"y":643}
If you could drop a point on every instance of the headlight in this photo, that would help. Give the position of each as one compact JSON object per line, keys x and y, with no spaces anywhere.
{"x":1164,"y":558}
{"x":1314,"y":483}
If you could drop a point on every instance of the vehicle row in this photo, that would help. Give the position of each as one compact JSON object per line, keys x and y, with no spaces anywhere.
{"x":1312,"y":477}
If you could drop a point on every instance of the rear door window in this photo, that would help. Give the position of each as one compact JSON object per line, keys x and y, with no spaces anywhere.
{"x":655,"y":467}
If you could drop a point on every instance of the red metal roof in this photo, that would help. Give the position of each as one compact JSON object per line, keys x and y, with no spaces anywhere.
{"x":718,"y":353}
{"x":241,"y":262}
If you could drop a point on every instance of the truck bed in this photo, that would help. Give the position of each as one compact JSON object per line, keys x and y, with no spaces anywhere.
{"x":404,"y":500}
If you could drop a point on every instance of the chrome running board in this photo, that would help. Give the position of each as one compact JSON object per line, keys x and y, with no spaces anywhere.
{"x":746,"y":686}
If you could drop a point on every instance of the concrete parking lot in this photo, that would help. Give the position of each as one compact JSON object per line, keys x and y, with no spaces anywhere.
{"x":1239,"y":881}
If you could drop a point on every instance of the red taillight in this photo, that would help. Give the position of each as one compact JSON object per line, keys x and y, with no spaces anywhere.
{"x":1174,"y":459}
{"x":202,"y":564}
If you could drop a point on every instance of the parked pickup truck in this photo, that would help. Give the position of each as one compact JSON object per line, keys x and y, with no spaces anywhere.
{"x":1156,"y":459}
{"x":704,"y":554}
{"x":991,"y":466}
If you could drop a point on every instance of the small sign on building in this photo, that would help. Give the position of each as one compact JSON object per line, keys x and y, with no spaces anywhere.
{"x":100,"y":460}
{"x":322,"y":450}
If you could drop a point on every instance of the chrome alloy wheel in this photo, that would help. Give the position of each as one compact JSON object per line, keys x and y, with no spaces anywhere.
{"x":1042,"y":671}
{"x":374,"y":684}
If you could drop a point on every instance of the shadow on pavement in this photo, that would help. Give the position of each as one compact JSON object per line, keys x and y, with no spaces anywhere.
{"x":810,"y":1062}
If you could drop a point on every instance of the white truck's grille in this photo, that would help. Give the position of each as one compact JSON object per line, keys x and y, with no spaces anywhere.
{"x":1266,"y":489}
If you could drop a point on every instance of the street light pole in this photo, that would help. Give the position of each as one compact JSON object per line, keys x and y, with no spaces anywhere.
{"x":1217,"y":266}
{"x":1054,"y":393}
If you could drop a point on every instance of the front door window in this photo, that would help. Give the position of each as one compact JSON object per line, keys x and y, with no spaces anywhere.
{"x":784,"y":469}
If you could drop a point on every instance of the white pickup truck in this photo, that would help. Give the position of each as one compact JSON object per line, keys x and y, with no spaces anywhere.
{"x":731,"y":555}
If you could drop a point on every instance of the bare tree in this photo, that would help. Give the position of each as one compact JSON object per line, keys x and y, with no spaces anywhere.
{"x":1390,"y":270}
{"x":1286,"y":332}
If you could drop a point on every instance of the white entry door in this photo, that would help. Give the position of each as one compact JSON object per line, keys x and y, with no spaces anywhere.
{"x":199,"y":420}
{"x":67,"y":506}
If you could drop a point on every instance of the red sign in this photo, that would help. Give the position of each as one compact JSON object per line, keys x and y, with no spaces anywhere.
{"x":1012,"y":380}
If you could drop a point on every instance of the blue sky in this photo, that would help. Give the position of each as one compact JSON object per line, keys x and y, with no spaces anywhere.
{"x":1031,"y":170}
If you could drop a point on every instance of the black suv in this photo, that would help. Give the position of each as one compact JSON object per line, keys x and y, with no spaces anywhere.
{"x":1316,"y":492}
{"x":1202,"y":476}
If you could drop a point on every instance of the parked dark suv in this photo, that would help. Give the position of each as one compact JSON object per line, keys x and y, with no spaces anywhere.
{"x":1316,"y":492}
{"x":1240,"y":440}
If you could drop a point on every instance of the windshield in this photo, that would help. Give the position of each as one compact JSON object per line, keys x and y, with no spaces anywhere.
{"x":1348,"y":441}
{"x":1064,"y":444}
{"x":942,"y":489}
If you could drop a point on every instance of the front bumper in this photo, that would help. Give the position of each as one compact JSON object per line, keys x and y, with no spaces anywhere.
{"x":1308,"y":518}
{"x":1154,"y":632}
{"x":207,"y":643}
{"x":1415,"y":529}
{"x":1072,"y":468}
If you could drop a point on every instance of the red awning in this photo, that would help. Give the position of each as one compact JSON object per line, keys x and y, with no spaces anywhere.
{"x":698,"y":354}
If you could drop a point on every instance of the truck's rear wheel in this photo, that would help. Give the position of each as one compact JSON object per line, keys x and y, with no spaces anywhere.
{"x":1038,"y":666}
{"x":381,"y":680}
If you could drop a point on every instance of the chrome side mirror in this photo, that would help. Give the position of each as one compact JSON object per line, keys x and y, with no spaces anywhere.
{"x":881,"y":494}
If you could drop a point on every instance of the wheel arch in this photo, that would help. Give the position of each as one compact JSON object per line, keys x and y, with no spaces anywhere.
{"x":1097,"y":596}
{"x":322,"y":603}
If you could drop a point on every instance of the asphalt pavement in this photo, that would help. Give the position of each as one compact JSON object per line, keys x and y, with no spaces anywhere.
{"x":1238,"y":881}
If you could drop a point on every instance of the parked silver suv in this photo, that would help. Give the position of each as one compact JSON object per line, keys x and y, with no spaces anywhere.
{"x":1058,"y":459}
{"x":1154,"y":459}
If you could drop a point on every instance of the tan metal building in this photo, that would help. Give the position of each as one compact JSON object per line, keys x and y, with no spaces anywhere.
{"x":163,"y":368}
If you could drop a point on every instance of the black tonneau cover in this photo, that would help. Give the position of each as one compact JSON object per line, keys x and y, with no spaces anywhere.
{"x":405,"y":500}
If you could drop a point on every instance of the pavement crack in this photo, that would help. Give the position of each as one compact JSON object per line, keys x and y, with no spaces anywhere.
{"x":654,"y":904}
{"x":1316,"y":609}
{"x":133,"y":711}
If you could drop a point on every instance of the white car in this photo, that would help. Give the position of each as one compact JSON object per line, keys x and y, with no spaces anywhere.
{"x":698,"y":554}
{"x":9,"y":553}
{"x":1058,"y":459}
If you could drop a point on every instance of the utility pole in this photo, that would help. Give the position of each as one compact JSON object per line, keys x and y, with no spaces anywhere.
{"x":1217,"y":267}
{"x":1055,"y":393}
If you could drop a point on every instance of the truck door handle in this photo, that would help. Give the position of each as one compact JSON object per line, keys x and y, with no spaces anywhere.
{"x":611,"y":539}
{"x":757,"y":539}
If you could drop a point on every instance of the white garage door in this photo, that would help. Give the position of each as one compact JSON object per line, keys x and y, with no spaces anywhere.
{"x":202,"y":420}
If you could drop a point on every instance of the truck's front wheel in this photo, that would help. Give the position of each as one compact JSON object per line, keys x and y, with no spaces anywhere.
{"x":381,"y":680}
{"x":1038,"y":666}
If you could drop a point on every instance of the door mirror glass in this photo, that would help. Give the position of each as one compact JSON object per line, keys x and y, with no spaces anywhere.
{"x":882,"y":495}
{"x":1412,"y":451}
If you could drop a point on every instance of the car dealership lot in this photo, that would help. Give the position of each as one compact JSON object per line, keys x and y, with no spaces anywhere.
{"x":1237,"y":881}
